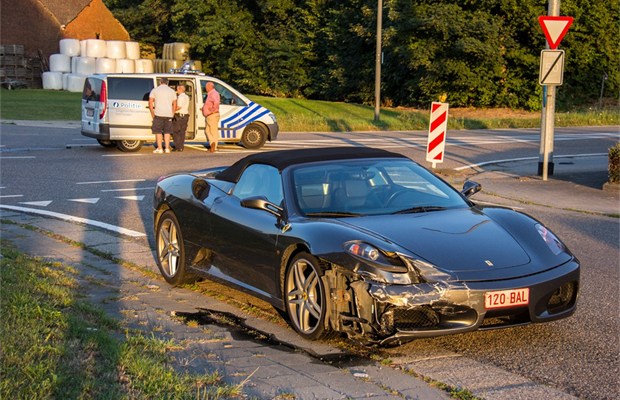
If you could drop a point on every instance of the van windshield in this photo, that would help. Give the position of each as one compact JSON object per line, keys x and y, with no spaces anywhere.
{"x":227,"y":96}
{"x":92,"y":89}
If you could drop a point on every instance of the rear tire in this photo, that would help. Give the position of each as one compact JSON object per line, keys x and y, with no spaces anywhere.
{"x":304,"y":297}
{"x":171,"y":251}
{"x":129,"y":146}
{"x":254,"y":136}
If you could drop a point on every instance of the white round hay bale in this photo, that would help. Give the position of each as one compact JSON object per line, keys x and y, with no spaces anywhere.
{"x":70,"y":47}
{"x":75,"y":83}
{"x":133,"y":50}
{"x":172,"y":64}
{"x":125,"y":66}
{"x":95,"y":48}
{"x":84,"y":65}
{"x":60,"y":63}
{"x":74,"y":65}
{"x":165,"y":54}
{"x":158,"y":65}
{"x":105,"y":66}
{"x":83,"y":48}
{"x":52,"y":80}
{"x":178,"y":51}
{"x":116,"y":49}
{"x":65,"y":75}
{"x":143,"y":66}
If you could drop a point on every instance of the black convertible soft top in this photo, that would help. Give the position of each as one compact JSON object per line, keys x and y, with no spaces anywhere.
{"x":284,"y":158}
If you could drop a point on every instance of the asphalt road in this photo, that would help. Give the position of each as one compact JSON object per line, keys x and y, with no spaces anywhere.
{"x":56,"y":169}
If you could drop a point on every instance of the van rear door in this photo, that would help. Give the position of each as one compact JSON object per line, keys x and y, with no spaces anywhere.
{"x":93,"y":108}
{"x":128,"y":107}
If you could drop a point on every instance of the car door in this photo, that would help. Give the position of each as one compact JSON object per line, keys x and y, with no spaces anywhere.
{"x":246,"y":239}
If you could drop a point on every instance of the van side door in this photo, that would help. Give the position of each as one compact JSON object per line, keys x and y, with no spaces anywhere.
{"x":128,"y":107}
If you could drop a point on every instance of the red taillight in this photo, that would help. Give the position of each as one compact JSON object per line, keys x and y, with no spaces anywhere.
{"x":103,"y":98}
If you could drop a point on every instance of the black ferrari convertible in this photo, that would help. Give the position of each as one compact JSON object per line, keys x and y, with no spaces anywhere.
{"x":364,"y":242}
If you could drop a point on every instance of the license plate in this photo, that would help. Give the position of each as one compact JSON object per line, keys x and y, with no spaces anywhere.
{"x":506,"y":298}
{"x":90,"y":112}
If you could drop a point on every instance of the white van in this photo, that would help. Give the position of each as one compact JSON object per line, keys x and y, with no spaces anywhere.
{"x":115,"y":111}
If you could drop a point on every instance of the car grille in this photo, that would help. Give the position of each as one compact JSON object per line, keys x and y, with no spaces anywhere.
{"x":415,"y":318}
{"x":563,"y":298}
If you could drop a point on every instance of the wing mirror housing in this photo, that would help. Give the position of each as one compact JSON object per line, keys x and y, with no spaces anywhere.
{"x":261,"y":203}
{"x":200,"y":189}
{"x":470,"y":188}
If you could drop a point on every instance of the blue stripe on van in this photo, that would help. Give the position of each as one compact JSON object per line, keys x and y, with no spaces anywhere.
{"x":241,"y":119}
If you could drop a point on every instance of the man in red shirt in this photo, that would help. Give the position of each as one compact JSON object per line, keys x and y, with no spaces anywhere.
{"x":211,"y":110}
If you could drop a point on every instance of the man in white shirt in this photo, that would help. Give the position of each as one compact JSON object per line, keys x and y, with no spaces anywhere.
{"x":181,"y":118}
{"x":162,"y":103}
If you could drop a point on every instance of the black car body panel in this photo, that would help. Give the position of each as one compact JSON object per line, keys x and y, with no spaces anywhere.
{"x":391,"y":272}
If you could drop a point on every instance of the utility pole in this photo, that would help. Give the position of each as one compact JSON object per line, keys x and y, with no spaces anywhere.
{"x":547,"y":126}
{"x":378,"y":60}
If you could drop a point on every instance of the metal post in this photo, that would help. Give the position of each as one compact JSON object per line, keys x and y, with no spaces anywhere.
{"x":378,"y":60}
{"x":547,"y":127}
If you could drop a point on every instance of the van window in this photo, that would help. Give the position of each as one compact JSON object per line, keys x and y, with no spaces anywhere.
{"x":226,"y":95}
{"x":130,"y":88}
{"x":92,"y":89}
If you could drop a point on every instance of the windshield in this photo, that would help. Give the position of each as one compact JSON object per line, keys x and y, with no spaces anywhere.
{"x":370,"y":187}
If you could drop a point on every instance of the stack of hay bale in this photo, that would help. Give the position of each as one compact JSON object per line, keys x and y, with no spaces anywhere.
{"x":79,"y":58}
{"x":174,"y":55}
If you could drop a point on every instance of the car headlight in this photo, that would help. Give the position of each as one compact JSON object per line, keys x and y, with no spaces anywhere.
{"x":375,"y":257}
{"x":555,"y":245}
{"x":272,"y":116}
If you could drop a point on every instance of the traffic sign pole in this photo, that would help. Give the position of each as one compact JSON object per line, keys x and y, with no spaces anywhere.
{"x":548,"y":124}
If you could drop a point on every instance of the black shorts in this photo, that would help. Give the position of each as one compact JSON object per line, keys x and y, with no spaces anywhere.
{"x":162,"y":125}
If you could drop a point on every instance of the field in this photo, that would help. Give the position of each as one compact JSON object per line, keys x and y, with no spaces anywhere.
{"x":298,"y":115}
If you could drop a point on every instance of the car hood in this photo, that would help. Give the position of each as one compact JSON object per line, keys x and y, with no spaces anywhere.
{"x":458,"y":241}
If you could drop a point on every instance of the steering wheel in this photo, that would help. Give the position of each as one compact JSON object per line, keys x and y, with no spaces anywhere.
{"x":396,"y":195}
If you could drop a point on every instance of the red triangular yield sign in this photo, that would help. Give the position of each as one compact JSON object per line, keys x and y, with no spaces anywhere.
{"x":554,"y":28}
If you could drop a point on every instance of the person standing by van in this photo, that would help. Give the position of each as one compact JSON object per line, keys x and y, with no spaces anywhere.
{"x":211,"y":110}
{"x":180,"y":119}
{"x":162,"y":103}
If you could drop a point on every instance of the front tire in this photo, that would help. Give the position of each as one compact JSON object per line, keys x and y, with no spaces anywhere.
{"x":129,"y":146}
{"x":305,"y":299}
{"x":254,"y":136}
{"x":171,"y":251}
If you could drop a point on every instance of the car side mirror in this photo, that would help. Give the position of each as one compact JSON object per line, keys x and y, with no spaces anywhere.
{"x":470,"y":188}
{"x":261,"y":203}
{"x":200,"y":189}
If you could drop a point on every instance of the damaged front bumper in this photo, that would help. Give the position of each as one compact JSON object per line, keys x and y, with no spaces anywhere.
{"x":396,"y":313}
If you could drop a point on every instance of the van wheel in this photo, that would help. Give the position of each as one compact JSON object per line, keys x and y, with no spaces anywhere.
{"x":254,"y":136}
{"x":129,"y":145}
{"x":106,"y":143}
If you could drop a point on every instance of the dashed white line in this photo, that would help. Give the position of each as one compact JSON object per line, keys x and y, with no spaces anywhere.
{"x":117,"y":181}
{"x":125,"y":190}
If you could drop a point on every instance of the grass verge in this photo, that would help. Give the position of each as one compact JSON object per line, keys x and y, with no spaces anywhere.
{"x":299,"y":115}
{"x":56,"y":345}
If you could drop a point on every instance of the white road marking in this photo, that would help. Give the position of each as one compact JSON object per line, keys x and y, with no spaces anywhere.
{"x":117,"y":181}
{"x":37,"y":203}
{"x":125,"y":190}
{"x":123,"y":155}
{"x":138,"y":198}
{"x":16,"y":157}
{"x":92,"y":200}
{"x":12,"y":195}
{"x":71,"y":218}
